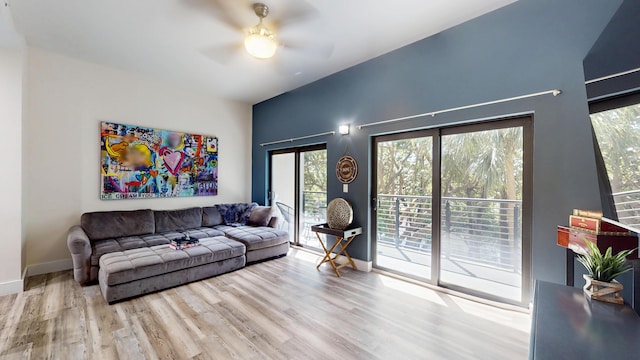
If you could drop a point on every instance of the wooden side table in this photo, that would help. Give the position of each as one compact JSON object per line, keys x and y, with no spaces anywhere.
{"x":343,"y":239}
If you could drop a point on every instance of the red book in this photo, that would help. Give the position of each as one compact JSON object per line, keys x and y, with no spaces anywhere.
{"x":602,"y":226}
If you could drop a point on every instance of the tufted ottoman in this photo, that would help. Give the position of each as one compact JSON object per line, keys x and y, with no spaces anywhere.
{"x":261,"y":242}
{"x":128,"y":273}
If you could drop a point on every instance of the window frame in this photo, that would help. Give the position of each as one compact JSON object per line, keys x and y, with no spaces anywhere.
{"x":597,"y":106}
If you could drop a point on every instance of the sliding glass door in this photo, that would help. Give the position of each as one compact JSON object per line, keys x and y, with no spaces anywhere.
{"x":452,"y":207}
{"x":283,"y":191}
{"x":298,"y":188}
{"x":404,"y":183}
{"x":481,"y":209}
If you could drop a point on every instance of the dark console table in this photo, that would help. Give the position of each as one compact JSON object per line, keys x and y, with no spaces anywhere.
{"x":567,"y":325}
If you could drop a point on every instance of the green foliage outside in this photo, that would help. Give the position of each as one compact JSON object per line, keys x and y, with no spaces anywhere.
{"x":314,"y":165}
{"x":618,"y":134}
{"x":477,"y":165}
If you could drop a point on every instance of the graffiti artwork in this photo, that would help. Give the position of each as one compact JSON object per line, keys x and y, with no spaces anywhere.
{"x":139,"y":162}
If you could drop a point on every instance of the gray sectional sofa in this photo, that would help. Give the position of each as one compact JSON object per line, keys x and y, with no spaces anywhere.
{"x":128,"y":251}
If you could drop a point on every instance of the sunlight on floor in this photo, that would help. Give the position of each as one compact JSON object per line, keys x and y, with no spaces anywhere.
{"x":305,"y":255}
{"x":513,"y":319}
{"x":412,"y":289}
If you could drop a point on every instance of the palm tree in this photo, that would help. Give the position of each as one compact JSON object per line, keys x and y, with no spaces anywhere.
{"x":485,"y":165}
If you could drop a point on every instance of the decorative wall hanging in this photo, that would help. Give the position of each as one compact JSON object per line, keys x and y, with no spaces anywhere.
{"x":346,"y":168}
{"x":138,"y":162}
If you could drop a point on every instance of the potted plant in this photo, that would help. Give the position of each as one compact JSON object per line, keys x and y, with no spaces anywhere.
{"x":603,"y":269}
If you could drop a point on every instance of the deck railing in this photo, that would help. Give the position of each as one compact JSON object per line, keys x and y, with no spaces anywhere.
{"x":314,"y":205}
{"x":628,"y":207}
{"x":482,"y":231}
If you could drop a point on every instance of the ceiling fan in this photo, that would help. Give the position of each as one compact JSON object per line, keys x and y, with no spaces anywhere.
{"x":269,"y":36}
{"x":260,"y":41}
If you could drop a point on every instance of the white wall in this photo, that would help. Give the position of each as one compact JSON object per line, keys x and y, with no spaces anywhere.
{"x":11,"y":71}
{"x":66,"y":100}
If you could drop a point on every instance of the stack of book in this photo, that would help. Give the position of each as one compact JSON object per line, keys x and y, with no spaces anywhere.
{"x":184,"y":243}
{"x":593,"y":222}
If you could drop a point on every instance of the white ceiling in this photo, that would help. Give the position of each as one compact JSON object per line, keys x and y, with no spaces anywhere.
{"x":186,"y":42}
{"x":8,"y":36}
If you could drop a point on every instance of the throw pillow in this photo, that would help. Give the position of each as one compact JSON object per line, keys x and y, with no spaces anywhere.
{"x":211,"y":216}
{"x":260,"y":216}
{"x":235,"y":214}
{"x":244,"y":218}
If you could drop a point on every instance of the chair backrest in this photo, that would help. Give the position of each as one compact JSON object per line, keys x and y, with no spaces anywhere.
{"x":286,"y":210}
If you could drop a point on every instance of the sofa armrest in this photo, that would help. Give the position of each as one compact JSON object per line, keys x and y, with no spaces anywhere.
{"x":274,"y":222}
{"x":80,"y":249}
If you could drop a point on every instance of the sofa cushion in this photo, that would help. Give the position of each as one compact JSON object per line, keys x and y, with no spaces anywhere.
{"x":236,"y":214}
{"x":211,"y":216}
{"x":115,"y":224}
{"x":102,"y":247}
{"x":203,"y":232}
{"x":261,"y":216}
{"x":255,"y":237}
{"x":130,"y":265}
{"x":178,"y":220}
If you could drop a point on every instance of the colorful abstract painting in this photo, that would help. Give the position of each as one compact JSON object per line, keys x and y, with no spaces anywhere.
{"x":139,"y":162}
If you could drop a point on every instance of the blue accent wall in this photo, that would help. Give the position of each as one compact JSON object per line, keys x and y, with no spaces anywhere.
{"x":616,"y":50}
{"x":526,"y":47}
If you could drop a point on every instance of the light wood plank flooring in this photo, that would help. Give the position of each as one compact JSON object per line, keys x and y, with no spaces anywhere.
{"x":280,"y":309}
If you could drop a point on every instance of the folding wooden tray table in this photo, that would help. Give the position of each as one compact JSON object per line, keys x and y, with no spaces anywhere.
{"x":343,"y":239}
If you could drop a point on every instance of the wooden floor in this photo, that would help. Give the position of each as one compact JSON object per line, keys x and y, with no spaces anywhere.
{"x":280,"y":309}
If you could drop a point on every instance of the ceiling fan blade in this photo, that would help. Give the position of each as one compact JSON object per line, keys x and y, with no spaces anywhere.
{"x":309,"y":47}
{"x":232,"y":13}
{"x":290,"y":12}
{"x":223,"y":54}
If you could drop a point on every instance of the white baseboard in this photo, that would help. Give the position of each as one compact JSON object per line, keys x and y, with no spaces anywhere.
{"x":49,"y":267}
{"x":362,"y":265}
{"x":11,"y":287}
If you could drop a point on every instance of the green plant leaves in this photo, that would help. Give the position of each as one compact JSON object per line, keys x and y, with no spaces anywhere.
{"x":605,"y":267}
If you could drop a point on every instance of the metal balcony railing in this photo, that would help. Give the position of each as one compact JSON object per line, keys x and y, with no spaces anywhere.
{"x":482,"y":231}
{"x":314,"y":205}
{"x":628,"y":207}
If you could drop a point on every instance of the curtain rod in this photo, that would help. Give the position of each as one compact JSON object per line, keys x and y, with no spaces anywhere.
{"x":554,"y":92}
{"x":298,"y":138}
{"x":612,"y":76}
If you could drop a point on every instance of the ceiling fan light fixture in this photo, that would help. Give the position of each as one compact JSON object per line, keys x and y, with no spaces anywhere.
{"x":260,"y":43}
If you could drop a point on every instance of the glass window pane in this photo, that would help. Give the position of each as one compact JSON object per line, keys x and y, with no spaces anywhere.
{"x":618,"y":134}
{"x":313,"y":200}
{"x":404,"y":189}
{"x":481,"y":211}
{"x":283,"y":176}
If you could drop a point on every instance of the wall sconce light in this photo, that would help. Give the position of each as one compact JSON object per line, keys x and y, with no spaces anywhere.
{"x":343,"y":129}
